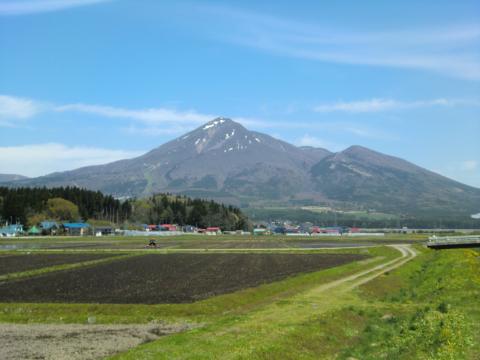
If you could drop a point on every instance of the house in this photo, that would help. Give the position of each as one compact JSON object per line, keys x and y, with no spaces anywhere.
{"x":213,"y":230}
{"x":292,"y":230}
{"x":151,"y":227}
{"x":189,"y":229}
{"x":168,"y":227}
{"x":103,"y":230}
{"x":315,"y":230}
{"x":49,"y":227}
{"x":76,"y":228}
{"x":305,"y":227}
{"x":34,"y":231}
{"x":327,"y":231}
{"x":260,"y":231}
{"x":11,"y":230}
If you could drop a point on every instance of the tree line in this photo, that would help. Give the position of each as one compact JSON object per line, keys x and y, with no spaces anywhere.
{"x":364,"y":221}
{"x":29,"y":206}
{"x":182,"y":210}
{"x":18,"y":205}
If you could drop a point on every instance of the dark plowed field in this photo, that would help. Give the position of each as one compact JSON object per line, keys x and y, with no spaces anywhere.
{"x":174,"y":278}
{"x":19,"y":263}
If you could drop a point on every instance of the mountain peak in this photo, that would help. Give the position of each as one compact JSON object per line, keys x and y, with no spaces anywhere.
{"x":217,"y":122}
{"x":361,"y":152}
{"x":355,"y":149}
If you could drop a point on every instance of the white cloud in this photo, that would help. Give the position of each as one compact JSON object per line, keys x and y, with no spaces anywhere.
{"x":150,"y":116}
{"x":23,"y":7}
{"x":13,"y":109}
{"x":469,"y":165}
{"x":372,"y":105}
{"x":156,"y":130}
{"x":165,"y":120}
{"x":42,"y":159}
{"x":448,"y":50}
{"x":152,"y":121}
{"x":308,"y":140}
{"x":378,"y":105}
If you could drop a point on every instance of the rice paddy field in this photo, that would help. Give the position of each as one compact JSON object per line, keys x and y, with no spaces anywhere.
{"x":235,"y":297}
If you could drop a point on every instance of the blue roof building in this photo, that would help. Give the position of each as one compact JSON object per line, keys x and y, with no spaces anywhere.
{"x":78,"y":228}
{"x":76,"y":225}
{"x":11,"y":230}
{"x":49,"y":225}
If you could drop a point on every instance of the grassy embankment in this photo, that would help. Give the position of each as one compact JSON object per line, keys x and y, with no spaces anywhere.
{"x":427,"y":309}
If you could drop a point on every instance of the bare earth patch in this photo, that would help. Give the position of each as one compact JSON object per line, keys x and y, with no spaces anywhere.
{"x":19,"y":263}
{"x":172,"y":278}
{"x":72,"y":342}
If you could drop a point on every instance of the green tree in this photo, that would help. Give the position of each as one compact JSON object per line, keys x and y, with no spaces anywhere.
{"x":35,"y":219}
{"x":61,"y":209}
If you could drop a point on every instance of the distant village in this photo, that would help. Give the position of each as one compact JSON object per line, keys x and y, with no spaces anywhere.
{"x":286,"y":228}
{"x":55,"y":228}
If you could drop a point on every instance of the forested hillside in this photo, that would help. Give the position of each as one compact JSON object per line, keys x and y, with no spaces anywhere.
{"x":20,"y":204}
{"x":28,"y":206}
{"x":182,"y":210}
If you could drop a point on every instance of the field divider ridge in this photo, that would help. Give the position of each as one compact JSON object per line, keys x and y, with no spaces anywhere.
{"x":62,"y":267}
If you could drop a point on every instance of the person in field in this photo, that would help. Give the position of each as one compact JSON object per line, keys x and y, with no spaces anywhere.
{"x":152,"y":243}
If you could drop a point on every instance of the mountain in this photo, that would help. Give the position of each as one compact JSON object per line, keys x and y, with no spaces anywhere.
{"x":11,"y":177}
{"x":377,"y":181}
{"x":224,"y":161}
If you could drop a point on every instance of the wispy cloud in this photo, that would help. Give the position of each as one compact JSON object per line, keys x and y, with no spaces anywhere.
{"x":451,"y":50}
{"x":157,"y":121}
{"x":150,"y":115}
{"x":23,"y":7}
{"x":378,"y":105}
{"x":152,"y":121}
{"x":13,"y":109}
{"x":41,"y":159}
{"x":156,"y":130}
{"x":18,"y":108}
{"x":162,"y":121}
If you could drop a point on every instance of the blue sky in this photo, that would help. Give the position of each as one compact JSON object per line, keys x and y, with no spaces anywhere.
{"x":90,"y":81}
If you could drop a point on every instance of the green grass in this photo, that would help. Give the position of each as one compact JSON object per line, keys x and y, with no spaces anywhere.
{"x":185,"y":240}
{"x":426,"y":309}
{"x":432,"y":307}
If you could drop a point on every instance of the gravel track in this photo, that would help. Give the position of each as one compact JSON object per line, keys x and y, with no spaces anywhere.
{"x":75,"y":342}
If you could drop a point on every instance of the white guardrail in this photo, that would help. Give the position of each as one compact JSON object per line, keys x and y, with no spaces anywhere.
{"x":454,"y":239}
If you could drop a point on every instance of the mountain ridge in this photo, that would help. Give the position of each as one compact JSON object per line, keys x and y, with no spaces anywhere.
{"x":224,"y":161}
{"x":11,"y":177}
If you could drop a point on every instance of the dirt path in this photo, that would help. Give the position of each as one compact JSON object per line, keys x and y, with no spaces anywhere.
{"x":407,"y":254}
{"x":75,"y":342}
{"x":261,"y":329}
